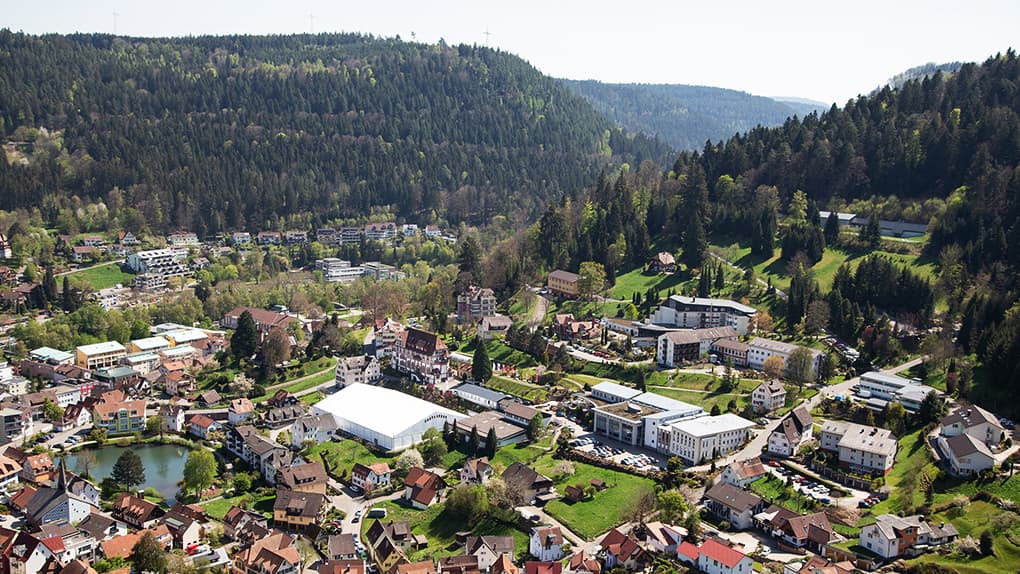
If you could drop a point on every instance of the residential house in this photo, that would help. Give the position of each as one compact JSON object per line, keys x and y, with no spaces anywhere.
{"x":299,"y":511}
{"x":389,"y":542}
{"x":662,"y":262}
{"x":202,"y":425}
{"x":811,"y":531}
{"x":240,"y":410}
{"x":422,"y":487}
{"x":546,"y":543}
{"x":966,"y":455}
{"x":733,"y":505}
{"x":75,"y":416}
{"x":676,"y":347}
{"x":474,"y":304}
{"x":308,"y":477}
{"x":476,"y":470}
{"x":974,"y":421}
{"x":490,"y":327}
{"x":893,"y":536}
{"x":715,"y":557}
{"x":237,"y":520}
{"x":421,"y":567}
{"x":35,"y":468}
{"x":182,"y":239}
{"x":478,"y":395}
{"x":582,"y":563}
{"x":619,"y":549}
{"x":569,"y":327}
{"x":317,"y":428}
{"x":341,"y":547}
{"x":240,"y":238}
{"x":274,"y":554}
{"x":281,"y":416}
{"x":269,"y":238}
{"x":742,"y":473}
{"x":10,"y":473}
{"x":768,"y":396}
{"x":463,"y":564}
{"x":101,"y":527}
{"x":185,"y":525}
{"x":663,"y":538}
{"x":24,"y":553}
{"x":820,"y":565}
{"x":564,"y":283}
{"x":381,"y":231}
{"x":795,"y":429}
{"x":173,"y":417}
{"x":265,"y":321}
{"x":295,"y":237}
{"x":517,"y":412}
{"x":127,"y":238}
{"x":136,"y":512}
{"x":209,"y":398}
{"x":530,"y":484}
{"x":359,"y":369}
{"x":15,"y":423}
{"x":488,"y":549}
{"x":368,"y":478}
{"x":119,"y":417}
{"x":536,"y":567}
{"x":386,"y":332}
{"x":687,"y":553}
{"x":859,"y":448}
{"x":423,"y":355}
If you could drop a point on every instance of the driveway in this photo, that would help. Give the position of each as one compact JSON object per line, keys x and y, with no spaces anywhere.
{"x":761,"y":436}
{"x":545,"y":519}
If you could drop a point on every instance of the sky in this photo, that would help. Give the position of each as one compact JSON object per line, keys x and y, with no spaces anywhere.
{"x":825,"y":51}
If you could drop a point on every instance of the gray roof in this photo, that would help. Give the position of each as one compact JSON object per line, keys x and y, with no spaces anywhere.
{"x":615,"y":389}
{"x":478,"y":390}
{"x":970,"y":416}
{"x":732,"y":497}
{"x":964,"y":444}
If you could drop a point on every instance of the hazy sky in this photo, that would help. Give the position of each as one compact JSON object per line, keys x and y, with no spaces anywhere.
{"x":814,"y":49}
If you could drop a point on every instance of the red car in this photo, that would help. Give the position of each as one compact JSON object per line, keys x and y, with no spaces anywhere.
{"x":774,"y":464}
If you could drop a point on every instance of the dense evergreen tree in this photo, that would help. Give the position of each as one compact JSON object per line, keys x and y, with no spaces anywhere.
{"x":244,"y":341}
{"x":128,"y":471}
{"x":481,"y":365}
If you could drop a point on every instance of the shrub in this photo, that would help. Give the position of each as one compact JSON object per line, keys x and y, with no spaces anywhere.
{"x":969,"y":546}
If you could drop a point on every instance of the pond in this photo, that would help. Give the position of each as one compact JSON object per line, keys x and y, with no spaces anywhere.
{"x":164,"y":465}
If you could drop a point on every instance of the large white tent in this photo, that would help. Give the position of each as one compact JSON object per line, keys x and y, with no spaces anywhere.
{"x":389,"y":419}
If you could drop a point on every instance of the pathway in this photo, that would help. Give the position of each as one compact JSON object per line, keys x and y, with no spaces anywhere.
{"x":754,"y":447}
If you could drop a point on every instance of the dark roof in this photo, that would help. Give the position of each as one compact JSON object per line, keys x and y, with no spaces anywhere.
{"x":310,"y":473}
{"x":523,"y":476}
{"x":340,"y":545}
{"x":498,"y":544}
{"x":422,"y":342}
{"x":97,"y":526}
{"x":733,"y":497}
{"x":304,"y":504}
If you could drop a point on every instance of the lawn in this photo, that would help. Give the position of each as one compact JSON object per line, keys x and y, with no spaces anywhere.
{"x":972,"y":520}
{"x":341,"y":456}
{"x":607,"y":509}
{"x":517,"y":388}
{"x":501,"y":353}
{"x":218,"y":508}
{"x":911,"y":462}
{"x":637,"y":281}
{"x":440,"y":527}
{"x":312,"y":398}
{"x":104,"y":276}
{"x":775,"y":491}
{"x":703,"y":400}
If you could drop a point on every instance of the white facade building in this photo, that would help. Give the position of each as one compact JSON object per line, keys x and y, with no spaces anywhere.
{"x":703,"y":312}
{"x":704,"y":438}
{"x":860,"y":448}
{"x":338,"y":270}
{"x":354,"y":370}
{"x":759,"y":350}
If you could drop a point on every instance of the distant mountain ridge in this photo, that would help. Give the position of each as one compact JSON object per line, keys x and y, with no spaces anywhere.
{"x":687,"y":116}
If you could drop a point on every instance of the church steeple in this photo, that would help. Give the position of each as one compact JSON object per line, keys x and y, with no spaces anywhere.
{"x":62,"y":478}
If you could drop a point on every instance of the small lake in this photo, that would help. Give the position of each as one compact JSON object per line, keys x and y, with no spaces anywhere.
{"x":164,"y":465}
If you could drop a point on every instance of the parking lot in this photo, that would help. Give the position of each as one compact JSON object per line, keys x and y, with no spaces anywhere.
{"x":812,"y":488}
{"x":628,"y":457}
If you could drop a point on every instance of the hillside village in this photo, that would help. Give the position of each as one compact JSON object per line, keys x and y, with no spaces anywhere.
{"x":409,"y":458}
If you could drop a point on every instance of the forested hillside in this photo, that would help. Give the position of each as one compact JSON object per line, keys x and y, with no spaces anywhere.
{"x":219,"y":133}
{"x":683,"y":116}
{"x":945,"y":150}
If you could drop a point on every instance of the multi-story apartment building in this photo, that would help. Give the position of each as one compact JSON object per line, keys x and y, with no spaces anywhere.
{"x":860,"y":448}
{"x":703,"y":312}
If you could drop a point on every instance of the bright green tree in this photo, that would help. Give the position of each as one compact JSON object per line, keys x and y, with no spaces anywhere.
{"x":200,"y":470}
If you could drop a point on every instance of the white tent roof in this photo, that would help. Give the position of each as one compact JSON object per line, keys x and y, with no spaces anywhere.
{"x":383,"y":410}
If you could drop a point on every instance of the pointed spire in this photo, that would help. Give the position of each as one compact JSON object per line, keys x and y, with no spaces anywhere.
{"x":61,"y":478}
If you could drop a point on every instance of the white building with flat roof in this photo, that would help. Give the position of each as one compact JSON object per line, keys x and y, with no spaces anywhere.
{"x":390,"y":419}
{"x":336,"y":270}
{"x":704,"y":438}
{"x":759,"y":350}
{"x":860,"y":448}
{"x":705,"y":312}
{"x":881,"y":388}
{"x":636,"y":419}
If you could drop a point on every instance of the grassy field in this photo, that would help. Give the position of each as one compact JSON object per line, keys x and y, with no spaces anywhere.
{"x":341,"y":456}
{"x":104,"y":276}
{"x":911,"y":460}
{"x":440,"y":527}
{"x":775,"y":491}
{"x":501,"y":353}
{"x":607,"y":509}
{"x":972,"y":520}
{"x":218,"y":508}
{"x":517,"y":388}
{"x":637,"y":281}
{"x":703,"y":400}
{"x":824,"y":270}
{"x":312,"y":398}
